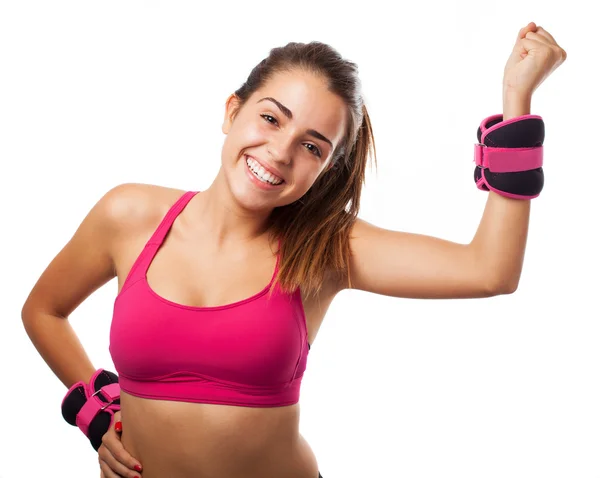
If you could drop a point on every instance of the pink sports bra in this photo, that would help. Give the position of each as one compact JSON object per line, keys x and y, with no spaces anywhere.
{"x":250,"y":353}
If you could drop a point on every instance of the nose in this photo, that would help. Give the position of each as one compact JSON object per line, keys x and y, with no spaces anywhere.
{"x":280,"y":150}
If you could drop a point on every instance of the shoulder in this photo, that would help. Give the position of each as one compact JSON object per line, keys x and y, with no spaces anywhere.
{"x":132,"y":208}
{"x":121,"y":217}
{"x":359,"y":229}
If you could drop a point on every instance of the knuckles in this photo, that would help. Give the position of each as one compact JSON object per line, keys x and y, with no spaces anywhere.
{"x":562,"y":53}
{"x":549,"y":49}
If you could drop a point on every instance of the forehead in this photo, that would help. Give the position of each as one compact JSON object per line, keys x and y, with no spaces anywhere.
{"x":307,"y":97}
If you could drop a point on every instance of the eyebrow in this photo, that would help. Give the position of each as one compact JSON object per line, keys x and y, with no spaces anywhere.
{"x":286,"y":111}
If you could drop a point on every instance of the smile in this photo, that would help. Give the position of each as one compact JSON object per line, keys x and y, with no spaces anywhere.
{"x":261,"y":174}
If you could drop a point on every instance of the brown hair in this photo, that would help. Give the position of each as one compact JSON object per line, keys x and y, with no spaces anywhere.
{"x":315,"y":229}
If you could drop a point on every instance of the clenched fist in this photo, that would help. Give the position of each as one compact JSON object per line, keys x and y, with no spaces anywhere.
{"x":534,"y":57}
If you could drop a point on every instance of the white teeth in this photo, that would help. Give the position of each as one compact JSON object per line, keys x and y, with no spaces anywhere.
{"x":261,"y":174}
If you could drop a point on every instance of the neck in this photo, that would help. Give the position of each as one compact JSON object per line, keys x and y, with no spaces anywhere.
{"x":226,"y":220}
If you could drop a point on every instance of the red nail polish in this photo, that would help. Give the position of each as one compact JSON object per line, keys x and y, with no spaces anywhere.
{"x":137,"y":468}
{"x":119,"y":426}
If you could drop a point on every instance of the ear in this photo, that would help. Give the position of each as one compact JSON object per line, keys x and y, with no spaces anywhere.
{"x":231,"y":110}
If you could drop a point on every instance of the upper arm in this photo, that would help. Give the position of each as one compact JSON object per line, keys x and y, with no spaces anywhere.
{"x":86,"y":262}
{"x":401,"y":264}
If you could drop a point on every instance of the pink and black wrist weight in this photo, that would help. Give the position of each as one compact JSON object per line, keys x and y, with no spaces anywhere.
{"x":509,"y":156}
{"x":91,"y":407}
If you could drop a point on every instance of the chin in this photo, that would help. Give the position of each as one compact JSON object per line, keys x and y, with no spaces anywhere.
{"x":248,"y":195}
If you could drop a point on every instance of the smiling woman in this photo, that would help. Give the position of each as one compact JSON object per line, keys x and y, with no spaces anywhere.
{"x":221,"y":292}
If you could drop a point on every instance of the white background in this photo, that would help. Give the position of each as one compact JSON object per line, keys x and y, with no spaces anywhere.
{"x":94,"y":94}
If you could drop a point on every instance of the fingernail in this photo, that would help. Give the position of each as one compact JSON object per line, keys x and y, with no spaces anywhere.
{"x":119,"y":426}
{"x":137,"y":468}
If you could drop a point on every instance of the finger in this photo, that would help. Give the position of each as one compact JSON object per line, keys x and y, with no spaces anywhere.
{"x":115,"y":465}
{"x":534,"y":40}
{"x":107,"y":472}
{"x":544,"y":33}
{"x":525,"y":45}
{"x":111,"y":441}
{"x":528,"y":44}
{"x":538,"y":37}
{"x":527,"y":28}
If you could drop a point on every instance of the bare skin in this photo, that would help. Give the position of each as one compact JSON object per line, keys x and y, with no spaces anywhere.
{"x":207,"y":244}
{"x":179,"y":439}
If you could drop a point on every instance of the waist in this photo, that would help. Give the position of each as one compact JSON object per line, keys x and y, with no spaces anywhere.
{"x":181,"y":440}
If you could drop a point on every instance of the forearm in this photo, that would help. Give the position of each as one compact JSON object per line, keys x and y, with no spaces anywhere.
{"x":500,"y":240}
{"x":57,"y":343}
{"x":501,"y":237}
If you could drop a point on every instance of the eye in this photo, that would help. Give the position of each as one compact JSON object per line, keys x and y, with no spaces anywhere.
{"x":316,"y":151}
{"x":269,"y":116}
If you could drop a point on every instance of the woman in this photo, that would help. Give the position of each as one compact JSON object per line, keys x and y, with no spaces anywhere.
{"x":210,"y":359}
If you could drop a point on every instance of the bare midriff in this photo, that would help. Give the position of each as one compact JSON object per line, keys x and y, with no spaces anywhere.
{"x":198,"y":440}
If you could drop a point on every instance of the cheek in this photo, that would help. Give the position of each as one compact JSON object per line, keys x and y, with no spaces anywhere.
{"x":253,"y":133}
{"x":250,"y":131}
{"x":306,"y":175}
{"x":241,"y":137}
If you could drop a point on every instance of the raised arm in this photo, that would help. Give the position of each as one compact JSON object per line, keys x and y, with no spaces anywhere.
{"x":402,"y":264}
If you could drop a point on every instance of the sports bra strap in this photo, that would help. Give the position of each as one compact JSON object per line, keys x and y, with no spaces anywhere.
{"x":162,"y":229}
{"x":141,"y":264}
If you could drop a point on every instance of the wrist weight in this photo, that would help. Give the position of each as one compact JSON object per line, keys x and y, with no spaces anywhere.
{"x":91,"y":406}
{"x":509,"y":156}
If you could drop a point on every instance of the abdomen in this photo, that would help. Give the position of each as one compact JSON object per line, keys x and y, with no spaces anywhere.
{"x":196,"y":440}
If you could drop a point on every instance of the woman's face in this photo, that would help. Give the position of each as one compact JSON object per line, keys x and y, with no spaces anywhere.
{"x":291,"y":139}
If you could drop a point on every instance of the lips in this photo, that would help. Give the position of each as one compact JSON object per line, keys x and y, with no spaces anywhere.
{"x":267,"y":168}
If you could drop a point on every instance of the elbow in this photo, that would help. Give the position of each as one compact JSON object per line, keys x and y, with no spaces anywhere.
{"x":30,"y":312}
{"x":27,"y":311}
{"x":28,"y":318}
{"x":503,"y":287}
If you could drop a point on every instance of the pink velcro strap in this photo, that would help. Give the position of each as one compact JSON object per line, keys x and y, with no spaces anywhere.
{"x":112,"y":391}
{"x":94,"y":405}
{"x":508,"y":160}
